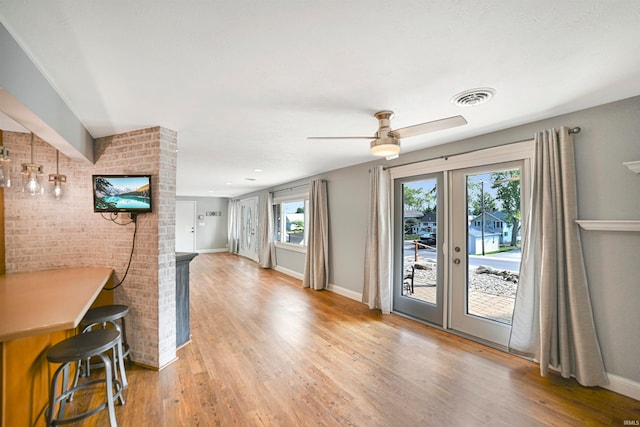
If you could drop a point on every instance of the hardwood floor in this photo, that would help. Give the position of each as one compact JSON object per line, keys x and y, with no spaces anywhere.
{"x":266,"y":352}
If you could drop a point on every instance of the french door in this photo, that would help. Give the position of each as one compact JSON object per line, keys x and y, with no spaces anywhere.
{"x":418,"y":247}
{"x":486,"y":207}
{"x":457,"y":239}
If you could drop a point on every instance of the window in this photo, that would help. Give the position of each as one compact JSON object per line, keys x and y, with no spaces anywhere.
{"x":290,"y":218}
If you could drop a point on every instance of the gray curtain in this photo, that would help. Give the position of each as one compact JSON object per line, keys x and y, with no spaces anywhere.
{"x":553,"y":320}
{"x":316,"y":269}
{"x":377,"y":262}
{"x":267,"y":253}
{"x":233,"y":231}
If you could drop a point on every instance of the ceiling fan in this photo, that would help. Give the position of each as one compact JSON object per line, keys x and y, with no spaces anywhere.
{"x":386,"y":141}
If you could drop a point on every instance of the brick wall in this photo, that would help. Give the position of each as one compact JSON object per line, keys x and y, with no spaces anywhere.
{"x":166,"y":202}
{"x":42,"y":233}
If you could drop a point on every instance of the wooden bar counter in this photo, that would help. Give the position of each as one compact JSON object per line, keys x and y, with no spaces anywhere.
{"x":37,"y":310}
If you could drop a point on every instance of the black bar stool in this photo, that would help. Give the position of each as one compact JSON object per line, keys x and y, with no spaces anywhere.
{"x":100,"y":317}
{"x":69,"y":351}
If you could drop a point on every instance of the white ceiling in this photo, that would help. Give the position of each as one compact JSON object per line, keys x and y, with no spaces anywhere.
{"x":245,"y":82}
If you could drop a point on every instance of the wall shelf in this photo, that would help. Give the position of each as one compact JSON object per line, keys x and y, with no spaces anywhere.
{"x":609,"y":225}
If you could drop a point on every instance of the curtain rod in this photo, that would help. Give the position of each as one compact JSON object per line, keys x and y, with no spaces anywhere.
{"x":573,"y":130}
{"x":291,"y":188}
{"x":282,"y":189}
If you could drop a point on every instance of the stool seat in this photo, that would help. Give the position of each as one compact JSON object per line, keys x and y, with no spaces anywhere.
{"x":97,"y":343}
{"x":100,"y":318}
{"x":106,"y":313}
{"x":83,"y":346}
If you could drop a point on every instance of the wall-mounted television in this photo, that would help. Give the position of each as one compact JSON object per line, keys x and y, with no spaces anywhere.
{"x":122,"y":193}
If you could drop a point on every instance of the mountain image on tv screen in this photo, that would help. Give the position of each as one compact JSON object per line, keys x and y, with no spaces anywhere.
{"x":122,"y":193}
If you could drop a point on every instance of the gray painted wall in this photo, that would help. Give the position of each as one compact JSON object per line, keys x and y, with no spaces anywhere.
{"x":291,"y":260}
{"x":606,"y":190}
{"x":211,"y":231}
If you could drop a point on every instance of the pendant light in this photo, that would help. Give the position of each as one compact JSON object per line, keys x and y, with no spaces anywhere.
{"x":31,"y":174}
{"x":5,"y":166}
{"x":57,"y":179}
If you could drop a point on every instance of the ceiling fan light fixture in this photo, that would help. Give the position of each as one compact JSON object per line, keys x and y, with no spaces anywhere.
{"x":385,"y":147}
{"x":386,"y":141}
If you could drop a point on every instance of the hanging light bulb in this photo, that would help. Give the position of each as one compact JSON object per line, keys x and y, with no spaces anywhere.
{"x":31,"y":174}
{"x":5,"y":168}
{"x":57,"y":179}
{"x":5,"y":165}
{"x":57,"y":191}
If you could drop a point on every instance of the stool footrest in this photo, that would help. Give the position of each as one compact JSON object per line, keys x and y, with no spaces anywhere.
{"x":69,"y":393}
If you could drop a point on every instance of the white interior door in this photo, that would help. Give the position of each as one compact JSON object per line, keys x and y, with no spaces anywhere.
{"x":185,"y":226}
{"x":249,"y":228}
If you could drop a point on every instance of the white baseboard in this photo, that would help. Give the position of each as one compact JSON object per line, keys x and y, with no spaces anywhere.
{"x":624,"y":386}
{"x":345,"y":292}
{"x":331,"y":288}
{"x":210,"y":251}
{"x":289,"y":272}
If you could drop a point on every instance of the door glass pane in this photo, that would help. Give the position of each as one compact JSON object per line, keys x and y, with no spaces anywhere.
{"x":493,"y":243}
{"x":418,"y":275}
{"x":420,"y":260}
{"x":249,"y":227}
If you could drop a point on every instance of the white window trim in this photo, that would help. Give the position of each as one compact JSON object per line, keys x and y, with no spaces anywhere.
{"x":304,"y":196}
{"x":500,"y":154}
{"x":291,"y":197}
{"x":290,"y":247}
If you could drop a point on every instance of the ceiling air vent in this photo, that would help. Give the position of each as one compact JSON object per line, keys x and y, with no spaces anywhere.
{"x":472,"y":97}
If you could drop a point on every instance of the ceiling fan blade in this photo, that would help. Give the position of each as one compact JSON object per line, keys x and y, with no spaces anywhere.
{"x":341,"y":137}
{"x":427,"y":127}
